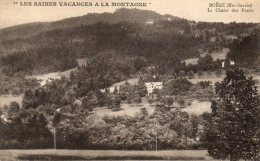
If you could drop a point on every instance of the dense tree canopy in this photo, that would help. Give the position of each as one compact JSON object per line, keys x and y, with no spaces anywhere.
{"x":232,"y":129}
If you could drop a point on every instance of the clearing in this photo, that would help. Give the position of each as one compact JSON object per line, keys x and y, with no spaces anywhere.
{"x":221,"y":55}
{"x":7,"y":99}
{"x":197,"y":107}
{"x":44,"y":78}
{"x":126,"y":109}
{"x":192,"y":61}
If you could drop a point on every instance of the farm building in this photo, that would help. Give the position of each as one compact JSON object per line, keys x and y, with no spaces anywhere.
{"x":153,"y":85}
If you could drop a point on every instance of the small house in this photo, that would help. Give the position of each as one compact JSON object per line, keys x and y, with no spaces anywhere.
{"x":150,"y":86}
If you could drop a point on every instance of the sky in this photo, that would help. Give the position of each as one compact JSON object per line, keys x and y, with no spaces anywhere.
{"x":13,"y":14}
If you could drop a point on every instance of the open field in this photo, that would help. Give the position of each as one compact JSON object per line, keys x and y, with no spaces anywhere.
{"x":197,"y":107}
{"x":7,"y":99}
{"x":192,"y":61}
{"x":191,"y":155}
{"x":44,"y":78}
{"x":217,"y":55}
{"x":126,"y":109}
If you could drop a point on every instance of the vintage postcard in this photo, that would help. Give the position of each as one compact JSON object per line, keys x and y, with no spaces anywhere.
{"x":130,"y":80}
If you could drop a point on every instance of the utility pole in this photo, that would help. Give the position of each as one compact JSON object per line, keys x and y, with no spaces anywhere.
{"x":156,"y":143}
{"x":54,"y":138}
{"x":156,"y":138}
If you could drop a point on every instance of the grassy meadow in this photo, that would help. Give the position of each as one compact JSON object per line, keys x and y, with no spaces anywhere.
{"x":191,"y":155}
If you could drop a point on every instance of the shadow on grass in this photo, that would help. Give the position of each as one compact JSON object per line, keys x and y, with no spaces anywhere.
{"x":68,"y":157}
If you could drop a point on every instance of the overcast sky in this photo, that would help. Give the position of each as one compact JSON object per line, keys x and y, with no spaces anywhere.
{"x":11,"y":14}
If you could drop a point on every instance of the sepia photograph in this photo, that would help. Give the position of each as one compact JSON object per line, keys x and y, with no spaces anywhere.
{"x":130,"y":80}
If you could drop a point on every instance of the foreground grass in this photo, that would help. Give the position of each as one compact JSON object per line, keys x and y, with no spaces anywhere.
{"x":191,"y":155}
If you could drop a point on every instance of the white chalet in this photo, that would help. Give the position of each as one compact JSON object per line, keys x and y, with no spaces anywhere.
{"x":150,"y":86}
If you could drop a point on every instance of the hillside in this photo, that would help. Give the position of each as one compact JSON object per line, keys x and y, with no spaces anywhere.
{"x":163,"y":40}
{"x":129,"y":32}
{"x":134,"y":15}
{"x":23,"y":31}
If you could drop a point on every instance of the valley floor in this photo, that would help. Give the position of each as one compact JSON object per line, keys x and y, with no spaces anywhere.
{"x":49,"y":154}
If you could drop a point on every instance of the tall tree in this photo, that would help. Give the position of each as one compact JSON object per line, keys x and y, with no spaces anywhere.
{"x":233,"y":126}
